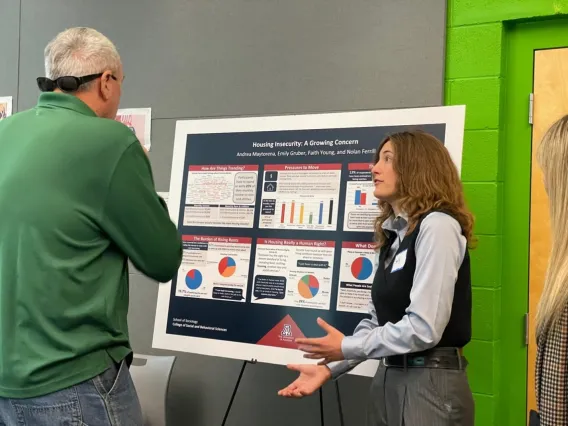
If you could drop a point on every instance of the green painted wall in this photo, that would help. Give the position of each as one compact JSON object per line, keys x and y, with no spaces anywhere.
{"x":483,"y":71}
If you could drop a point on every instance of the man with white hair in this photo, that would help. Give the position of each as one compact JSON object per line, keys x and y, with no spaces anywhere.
{"x":77,"y":199}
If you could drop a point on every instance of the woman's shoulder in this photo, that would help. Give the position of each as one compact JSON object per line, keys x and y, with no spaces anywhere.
{"x":439,"y":222}
{"x":439,"y":218}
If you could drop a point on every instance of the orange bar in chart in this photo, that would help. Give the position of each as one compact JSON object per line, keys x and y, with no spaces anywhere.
{"x":292,"y":212}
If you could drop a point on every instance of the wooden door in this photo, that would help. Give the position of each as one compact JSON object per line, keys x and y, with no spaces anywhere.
{"x":550,"y":103}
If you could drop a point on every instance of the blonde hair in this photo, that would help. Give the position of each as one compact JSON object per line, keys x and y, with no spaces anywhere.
{"x":552,"y":156}
{"x":427,"y":180}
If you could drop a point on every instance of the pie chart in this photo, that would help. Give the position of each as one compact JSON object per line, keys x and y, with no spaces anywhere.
{"x":227,"y":266}
{"x":193,"y":279}
{"x":308,"y":286}
{"x":361,"y":268}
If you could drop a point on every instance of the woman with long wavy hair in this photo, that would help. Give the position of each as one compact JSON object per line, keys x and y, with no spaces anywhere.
{"x":552,"y":314}
{"x":420,"y":312}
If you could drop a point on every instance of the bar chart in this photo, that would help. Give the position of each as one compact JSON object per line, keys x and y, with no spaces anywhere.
{"x":307,"y":212}
{"x":361,"y":206}
{"x":361,"y":197}
{"x":301,"y":196}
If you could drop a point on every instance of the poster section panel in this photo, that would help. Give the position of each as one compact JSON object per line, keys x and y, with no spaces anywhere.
{"x":357,"y":270}
{"x":220,"y":195}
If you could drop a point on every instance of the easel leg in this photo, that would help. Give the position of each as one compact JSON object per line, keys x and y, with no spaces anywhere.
{"x":321,"y":406}
{"x":234,"y":393}
{"x":341,"y":421}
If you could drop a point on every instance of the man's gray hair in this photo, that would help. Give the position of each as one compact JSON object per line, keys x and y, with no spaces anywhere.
{"x":79,"y":52}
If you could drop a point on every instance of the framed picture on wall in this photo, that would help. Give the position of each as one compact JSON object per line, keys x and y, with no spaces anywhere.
{"x":5,"y":106}
{"x":139,"y":120}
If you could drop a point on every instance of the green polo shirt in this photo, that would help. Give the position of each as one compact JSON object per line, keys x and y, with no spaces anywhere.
{"x":77,"y":199}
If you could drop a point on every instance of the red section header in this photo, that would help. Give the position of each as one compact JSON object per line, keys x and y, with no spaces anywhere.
{"x":224,"y":168}
{"x":298,"y":243}
{"x":360,"y":166}
{"x":361,"y":246}
{"x":211,"y":239}
{"x":302,"y":167}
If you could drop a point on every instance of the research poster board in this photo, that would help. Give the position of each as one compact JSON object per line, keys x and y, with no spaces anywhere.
{"x":276,"y":216}
{"x":5,"y":107}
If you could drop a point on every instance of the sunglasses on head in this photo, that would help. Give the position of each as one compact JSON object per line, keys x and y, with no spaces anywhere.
{"x":66,"y":83}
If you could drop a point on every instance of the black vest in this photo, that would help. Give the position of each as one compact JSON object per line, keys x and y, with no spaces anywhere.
{"x":391,"y":291}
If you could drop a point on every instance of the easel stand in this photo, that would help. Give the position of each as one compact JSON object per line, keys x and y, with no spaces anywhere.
{"x":254,"y":361}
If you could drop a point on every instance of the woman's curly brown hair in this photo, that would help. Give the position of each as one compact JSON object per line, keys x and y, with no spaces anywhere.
{"x":427,"y":180}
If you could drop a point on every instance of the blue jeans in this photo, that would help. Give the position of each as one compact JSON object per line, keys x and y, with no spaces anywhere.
{"x":108,"y":399}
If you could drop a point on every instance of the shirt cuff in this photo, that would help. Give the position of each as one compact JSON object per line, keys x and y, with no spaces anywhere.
{"x":339,"y":368}
{"x":352,"y":348}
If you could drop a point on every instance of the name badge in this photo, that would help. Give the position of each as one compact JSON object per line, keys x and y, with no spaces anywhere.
{"x":399,"y":261}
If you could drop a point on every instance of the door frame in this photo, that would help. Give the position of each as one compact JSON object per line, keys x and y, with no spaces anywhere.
{"x":521,"y":39}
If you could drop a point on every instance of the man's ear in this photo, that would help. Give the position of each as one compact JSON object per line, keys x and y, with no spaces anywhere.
{"x":105,"y":85}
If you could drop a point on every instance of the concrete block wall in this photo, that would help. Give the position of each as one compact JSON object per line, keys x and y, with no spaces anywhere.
{"x":475,"y":75}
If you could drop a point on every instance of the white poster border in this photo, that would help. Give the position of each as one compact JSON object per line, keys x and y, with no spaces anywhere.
{"x":452,"y":116}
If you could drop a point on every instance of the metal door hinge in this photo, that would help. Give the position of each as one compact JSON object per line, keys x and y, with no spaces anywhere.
{"x":526,"y":329}
{"x":531,"y":107}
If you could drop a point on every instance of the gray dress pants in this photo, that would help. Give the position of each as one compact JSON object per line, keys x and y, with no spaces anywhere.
{"x":420,"y":397}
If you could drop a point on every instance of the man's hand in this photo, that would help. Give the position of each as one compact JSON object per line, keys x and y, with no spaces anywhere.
{"x":311,"y":378}
{"x":327,"y":347}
